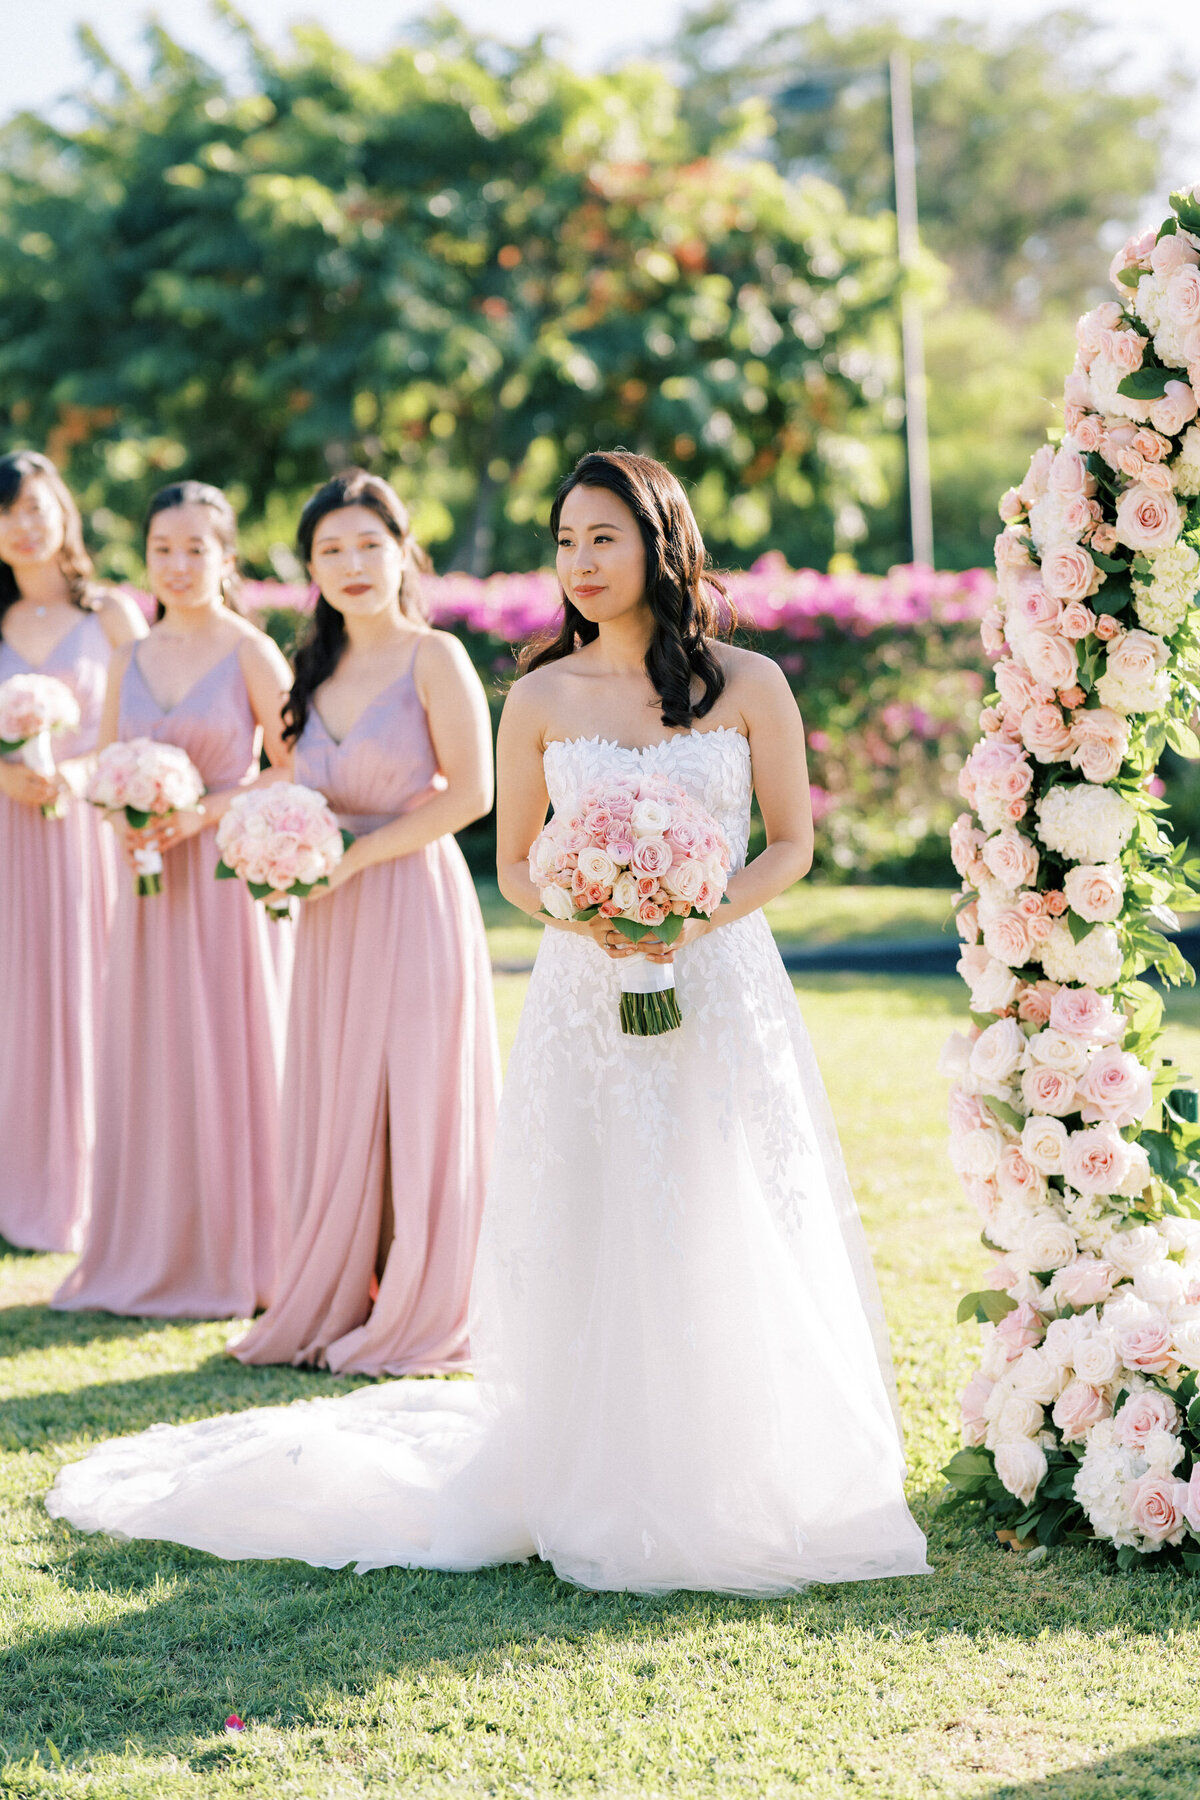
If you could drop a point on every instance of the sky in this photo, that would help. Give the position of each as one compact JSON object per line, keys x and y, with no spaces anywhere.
{"x":41,"y":61}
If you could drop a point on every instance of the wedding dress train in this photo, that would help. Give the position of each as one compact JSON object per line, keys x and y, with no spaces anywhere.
{"x":682,"y":1373}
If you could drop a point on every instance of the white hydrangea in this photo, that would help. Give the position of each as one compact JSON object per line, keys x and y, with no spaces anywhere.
{"x":1134,"y":696}
{"x":1162,"y":603}
{"x":1085,"y":823}
{"x":1162,"y":1451}
{"x":1095,"y":961}
{"x":1104,"y":378}
{"x":1106,"y":1471}
{"x":1185,"y":470}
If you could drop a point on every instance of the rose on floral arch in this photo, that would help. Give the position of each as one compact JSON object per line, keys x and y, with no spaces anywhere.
{"x":1067,"y":1127}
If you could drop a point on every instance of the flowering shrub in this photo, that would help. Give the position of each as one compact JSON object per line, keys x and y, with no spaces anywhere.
{"x":886,"y":669}
{"x":1067,"y":1128}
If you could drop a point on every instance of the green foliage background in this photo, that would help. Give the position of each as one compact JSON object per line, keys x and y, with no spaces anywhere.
{"x":463,"y":264}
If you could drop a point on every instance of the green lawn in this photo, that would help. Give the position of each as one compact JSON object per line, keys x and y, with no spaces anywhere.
{"x":995,"y":1676}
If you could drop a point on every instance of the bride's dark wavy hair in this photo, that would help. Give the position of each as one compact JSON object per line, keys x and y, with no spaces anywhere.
{"x":321,"y":650}
{"x":689,"y":604}
{"x":18,"y":467}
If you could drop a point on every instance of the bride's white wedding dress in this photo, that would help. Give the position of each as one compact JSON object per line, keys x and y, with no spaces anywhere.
{"x":682,"y":1373}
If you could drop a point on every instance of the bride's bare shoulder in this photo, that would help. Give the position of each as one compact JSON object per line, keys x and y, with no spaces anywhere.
{"x":534,"y":699}
{"x":749,"y":676}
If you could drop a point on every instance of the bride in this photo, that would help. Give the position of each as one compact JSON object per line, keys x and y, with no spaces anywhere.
{"x":682,"y":1370}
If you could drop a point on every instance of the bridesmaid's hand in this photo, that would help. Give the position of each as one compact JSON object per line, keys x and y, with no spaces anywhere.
{"x":349,"y":865}
{"x":26,"y":786}
{"x":173,"y":828}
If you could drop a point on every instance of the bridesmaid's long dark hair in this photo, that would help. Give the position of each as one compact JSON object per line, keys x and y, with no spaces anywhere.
{"x":321,"y":650}
{"x":225,"y":527}
{"x":15,"y":469}
{"x":680,"y":593}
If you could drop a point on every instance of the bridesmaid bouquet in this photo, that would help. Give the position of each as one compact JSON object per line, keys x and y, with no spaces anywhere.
{"x":31,"y":708}
{"x":145,"y":780}
{"x":641,"y":853}
{"x":281,"y":839}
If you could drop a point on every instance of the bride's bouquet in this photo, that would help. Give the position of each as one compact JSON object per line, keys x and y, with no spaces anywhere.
{"x":641,"y":853}
{"x":281,"y":839}
{"x":31,"y":708}
{"x":145,"y":780}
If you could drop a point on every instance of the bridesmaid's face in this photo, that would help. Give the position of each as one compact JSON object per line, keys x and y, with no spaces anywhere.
{"x":356,"y":562}
{"x":601,"y":560}
{"x":33,"y":527}
{"x":185,"y":559}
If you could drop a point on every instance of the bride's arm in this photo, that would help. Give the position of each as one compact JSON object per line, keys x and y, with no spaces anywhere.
{"x":776,"y":736}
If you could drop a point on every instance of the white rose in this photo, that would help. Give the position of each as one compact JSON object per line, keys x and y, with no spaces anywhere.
{"x":1043,"y":1142}
{"x":1096,"y":1359}
{"x":1019,"y":1417}
{"x":597,"y":867}
{"x":1049,"y":1244}
{"x":995,"y":989}
{"x":1021,"y":1465}
{"x":624,"y":893}
{"x":1036,"y":1377}
{"x":650,"y":818}
{"x":684,"y":881}
{"x":1136,"y":1248}
{"x":558,"y":903}
{"x":994,"y":1358}
{"x":1057,"y":1050}
{"x":976,"y":1152}
{"x":996,"y":1054}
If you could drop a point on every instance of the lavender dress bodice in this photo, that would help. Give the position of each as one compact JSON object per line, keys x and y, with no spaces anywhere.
{"x":214,"y":722}
{"x":81,"y":660}
{"x":383,"y":766}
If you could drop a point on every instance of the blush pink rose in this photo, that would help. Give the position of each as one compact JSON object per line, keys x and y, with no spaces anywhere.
{"x":1088,"y":432}
{"x":1046,"y":734}
{"x":974,"y":1400}
{"x":1096,"y":891}
{"x":1147,"y":1345}
{"x":1021,"y":1329}
{"x":1032,"y":607}
{"x":1115,"y":1086}
{"x":651,"y":856}
{"x":1100,"y":739}
{"x":1086,"y":1282}
{"x":1156,"y":1508}
{"x":1171,"y":253}
{"x":1078,"y":1408}
{"x":1152,"y":446}
{"x":1077,"y":621}
{"x":1143,"y":1413}
{"x":1006,"y":937}
{"x":1068,"y":573}
{"x":1051,"y":660}
{"x":1097,"y":1159}
{"x":1033,"y":1006}
{"x":1011,"y":857}
{"x":1136,"y":657}
{"x":1048,"y":1090}
{"x":1147,"y":520}
{"x":991,"y":630}
{"x":1083,"y":1013}
{"x":651,"y":912}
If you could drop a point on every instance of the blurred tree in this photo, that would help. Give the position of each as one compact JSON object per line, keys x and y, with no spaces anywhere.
{"x":1030,"y":145}
{"x":462,"y":265}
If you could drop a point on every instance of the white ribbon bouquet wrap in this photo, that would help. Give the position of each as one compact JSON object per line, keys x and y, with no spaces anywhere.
{"x":32,"y":707}
{"x":145,"y":780}
{"x":641,"y":853}
{"x":281,"y":839}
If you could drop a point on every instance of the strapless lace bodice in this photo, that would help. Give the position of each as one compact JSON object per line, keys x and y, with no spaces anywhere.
{"x":712,"y":766}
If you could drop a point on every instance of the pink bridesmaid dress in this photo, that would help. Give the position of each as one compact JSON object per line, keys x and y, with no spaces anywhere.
{"x":392,"y":1069}
{"x":57,"y":887}
{"x":186,"y":1166}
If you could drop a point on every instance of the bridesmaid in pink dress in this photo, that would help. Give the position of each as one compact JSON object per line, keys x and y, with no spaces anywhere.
{"x":392,"y":1067}
{"x":187,"y":1135}
{"x":56,"y":875}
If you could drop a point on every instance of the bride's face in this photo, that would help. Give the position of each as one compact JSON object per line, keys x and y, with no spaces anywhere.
{"x":601,"y":560}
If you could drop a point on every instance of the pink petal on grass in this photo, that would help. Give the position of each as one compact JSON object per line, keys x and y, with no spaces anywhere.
{"x":233,"y":1723}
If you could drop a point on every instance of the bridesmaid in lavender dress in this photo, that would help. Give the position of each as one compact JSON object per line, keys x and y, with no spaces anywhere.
{"x":56,"y":875}
{"x":392,"y":1069}
{"x":187,"y":1137}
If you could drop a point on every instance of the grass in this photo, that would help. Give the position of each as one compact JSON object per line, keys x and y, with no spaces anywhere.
{"x":806,"y":915}
{"x":995,"y":1677}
